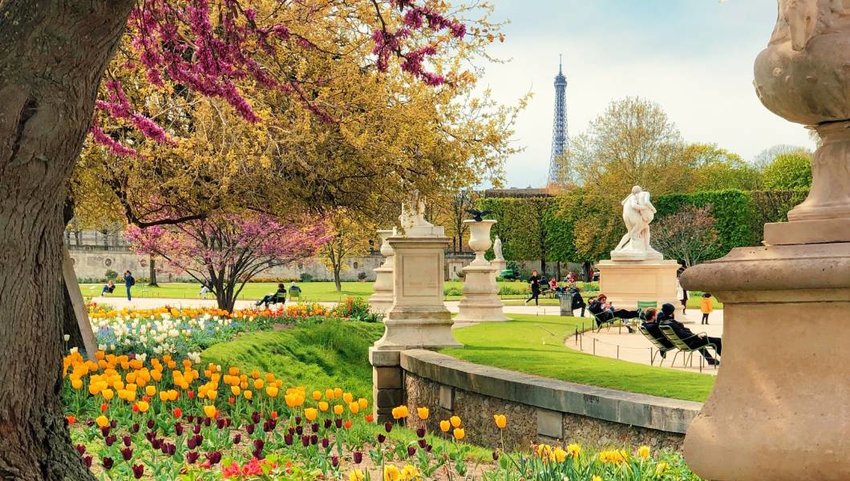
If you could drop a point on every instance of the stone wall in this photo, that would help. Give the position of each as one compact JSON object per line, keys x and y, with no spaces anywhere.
{"x":538,"y":409}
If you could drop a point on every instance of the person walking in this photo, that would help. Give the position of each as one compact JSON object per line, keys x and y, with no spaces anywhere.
{"x":706,"y":306}
{"x":129,"y":281}
{"x":534,"y":281}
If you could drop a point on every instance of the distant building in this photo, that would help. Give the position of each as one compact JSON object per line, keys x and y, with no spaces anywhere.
{"x":518,"y":192}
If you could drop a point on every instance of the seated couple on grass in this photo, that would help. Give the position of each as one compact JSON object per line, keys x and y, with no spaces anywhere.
{"x":604,"y":311}
{"x":667,"y":317}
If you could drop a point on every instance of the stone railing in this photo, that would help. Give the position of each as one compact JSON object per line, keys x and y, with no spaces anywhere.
{"x":538,"y":409}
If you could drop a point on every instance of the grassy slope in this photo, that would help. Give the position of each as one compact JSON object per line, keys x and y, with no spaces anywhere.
{"x":534,"y":345}
{"x":330,"y":354}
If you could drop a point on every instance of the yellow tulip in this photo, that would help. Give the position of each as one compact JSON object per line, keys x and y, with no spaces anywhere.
{"x":445,"y":426}
{"x":329,"y":394}
{"x":643,"y":452}
{"x":400,"y":412}
{"x":391,"y":473}
{"x":659,"y":470}
{"x":311,"y":414}
{"x":348,"y":398}
{"x":76,"y":383}
{"x":272,"y":391}
{"x":235,"y":390}
{"x":212,"y":394}
{"x":209,"y":411}
{"x":337,"y":392}
{"x":356,"y":475}
{"x":143,"y":406}
{"x":423,"y":413}
{"x":560,"y":454}
{"x":323,"y":406}
{"x":596,"y":478}
{"x":107,"y":394}
{"x":318,"y":395}
{"x":150,"y":390}
{"x":338,"y":409}
{"x":501,"y":420}
{"x":459,"y":433}
{"x":354,"y":407}
{"x":455,"y":421}
{"x":258,"y":383}
{"x":363,"y":403}
{"x":248,"y":395}
{"x":102,"y":421}
{"x":574,"y":449}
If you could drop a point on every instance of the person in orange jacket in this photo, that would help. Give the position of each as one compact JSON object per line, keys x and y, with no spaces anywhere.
{"x":706,"y":306}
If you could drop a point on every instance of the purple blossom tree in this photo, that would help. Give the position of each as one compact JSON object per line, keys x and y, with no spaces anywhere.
{"x":225,"y":251}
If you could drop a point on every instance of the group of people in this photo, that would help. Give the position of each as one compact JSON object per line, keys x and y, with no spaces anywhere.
{"x":279,"y":296}
{"x":129,"y":281}
{"x":536,"y":280}
{"x":653,"y":320}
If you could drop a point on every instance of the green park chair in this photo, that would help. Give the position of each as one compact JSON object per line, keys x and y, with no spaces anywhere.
{"x":659,"y":347}
{"x":683,"y":347}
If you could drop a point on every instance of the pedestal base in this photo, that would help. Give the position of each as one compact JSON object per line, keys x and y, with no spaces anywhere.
{"x":417,"y":328}
{"x":627,"y":282}
{"x":779,"y":408}
{"x":498,"y":266}
{"x":480,"y":301}
{"x":382,"y":298}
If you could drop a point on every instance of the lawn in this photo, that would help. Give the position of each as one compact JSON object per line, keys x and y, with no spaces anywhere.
{"x":535,"y":345}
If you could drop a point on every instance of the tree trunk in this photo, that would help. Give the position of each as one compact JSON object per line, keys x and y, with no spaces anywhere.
{"x":337,"y":281}
{"x":53,"y":57}
{"x":152,"y":274}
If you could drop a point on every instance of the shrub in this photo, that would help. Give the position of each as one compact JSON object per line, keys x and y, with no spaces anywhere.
{"x":452,"y":291}
{"x":361,"y":276}
{"x":306,"y":277}
{"x":356,"y":309}
{"x":111,"y":275}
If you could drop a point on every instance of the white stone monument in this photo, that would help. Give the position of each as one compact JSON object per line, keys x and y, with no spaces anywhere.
{"x":480,"y":300}
{"x":382,"y":297}
{"x":499,"y":263}
{"x":636,"y":271}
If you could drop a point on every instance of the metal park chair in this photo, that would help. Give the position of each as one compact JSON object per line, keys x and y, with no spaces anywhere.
{"x":683,"y":347}
{"x":660,"y":348}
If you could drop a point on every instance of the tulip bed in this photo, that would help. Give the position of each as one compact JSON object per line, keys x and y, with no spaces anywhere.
{"x":168,"y":418}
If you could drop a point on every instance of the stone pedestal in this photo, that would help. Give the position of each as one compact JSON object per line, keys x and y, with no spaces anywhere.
{"x":498,"y":266}
{"x":480,"y":300}
{"x":382,"y":297}
{"x":779,"y":408}
{"x":627,"y":282}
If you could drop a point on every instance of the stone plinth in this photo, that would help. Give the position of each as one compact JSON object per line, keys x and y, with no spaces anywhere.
{"x":480,"y":300}
{"x":382,"y":297}
{"x":627,"y":282}
{"x":498,"y":266}
{"x":779,"y":408}
{"x":418,"y":317}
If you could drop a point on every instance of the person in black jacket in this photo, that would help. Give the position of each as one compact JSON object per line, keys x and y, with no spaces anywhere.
{"x":576,"y":300}
{"x":278,"y":297}
{"x":694,"y":341}
{"x":605,"y":312}
{"x":534,"y":280}
{"x":650,"y":323}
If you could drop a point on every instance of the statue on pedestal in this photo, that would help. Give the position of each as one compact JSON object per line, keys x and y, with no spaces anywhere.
{"x":638,"y":213}
{"x":497,"y":249}
{"x":412,"y":218}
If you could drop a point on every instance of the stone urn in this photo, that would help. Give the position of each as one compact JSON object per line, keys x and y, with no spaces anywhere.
{"x":779,"y":409}
{"x":479,"y":239}
{"x":382,"y":297}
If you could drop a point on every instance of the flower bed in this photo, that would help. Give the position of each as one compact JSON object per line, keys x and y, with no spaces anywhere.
{"x":168,"y":418}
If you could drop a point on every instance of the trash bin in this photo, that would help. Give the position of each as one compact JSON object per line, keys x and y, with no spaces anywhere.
{"x":566,"y":300}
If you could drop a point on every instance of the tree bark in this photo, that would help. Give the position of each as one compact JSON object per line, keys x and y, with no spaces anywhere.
{"x":53,"y":56}
{"x":152,"y":274}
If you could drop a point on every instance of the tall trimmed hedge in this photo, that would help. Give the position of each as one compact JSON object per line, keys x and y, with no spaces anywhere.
{"x":545,"y":228}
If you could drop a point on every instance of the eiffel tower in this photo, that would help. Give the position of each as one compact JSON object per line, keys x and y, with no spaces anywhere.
{"x":560,"y":139}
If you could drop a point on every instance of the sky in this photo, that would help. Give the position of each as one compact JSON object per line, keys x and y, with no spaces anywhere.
{"x":693,"y":57}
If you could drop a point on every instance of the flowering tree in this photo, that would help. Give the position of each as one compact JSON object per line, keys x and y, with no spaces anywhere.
{"x":226,"y":251}
{"x":687,"y":235}
{"x":53,"y":58}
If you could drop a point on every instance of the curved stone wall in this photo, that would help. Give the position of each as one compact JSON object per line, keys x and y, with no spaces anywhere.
{"x":539,"y":409}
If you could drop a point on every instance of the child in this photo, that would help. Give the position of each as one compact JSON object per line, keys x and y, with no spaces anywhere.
{"x":706,"y":306}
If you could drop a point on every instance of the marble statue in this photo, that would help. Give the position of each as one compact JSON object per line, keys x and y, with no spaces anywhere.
{"x":638,"y":213}
{"x":497,"y":249}
{"x":412,"y":218}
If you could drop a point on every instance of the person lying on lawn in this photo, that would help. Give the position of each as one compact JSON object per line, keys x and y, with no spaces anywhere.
{"x":605,"y":311}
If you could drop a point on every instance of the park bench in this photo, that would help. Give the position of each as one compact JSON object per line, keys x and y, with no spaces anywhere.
{"x":686,"y":350}
{"x":659,"y":346}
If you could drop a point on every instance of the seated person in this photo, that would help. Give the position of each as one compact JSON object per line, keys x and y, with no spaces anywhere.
{"x":278,"y":296}
{"x":576,"y":300}
{"x":694,"y":341}
{"x":109,"y":288}
{"x":294,"y":291}
{"x":553,"y":285}
{"x":605,"y":312}
{"x":650,"y":323}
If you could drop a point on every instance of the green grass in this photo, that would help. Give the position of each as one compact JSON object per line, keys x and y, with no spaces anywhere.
{"x":535,"y":345}
{"x":316,"y":355}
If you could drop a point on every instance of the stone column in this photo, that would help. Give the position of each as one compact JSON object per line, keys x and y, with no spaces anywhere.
{"x":499,"y":263}
{"x":480,"y":300}
{"x":418,"y":317}
{"x":382,"y":297}
{"x":779,"y":409}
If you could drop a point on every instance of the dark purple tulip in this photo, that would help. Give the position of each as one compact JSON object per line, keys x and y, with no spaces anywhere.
{"x":107,"y":463}
{"x":237,"y":438}
{"x":127,"y":441}
{"x":196,"y":429}
{"x":314,"y":440}
{"x":334,"y":460}
{"x":287,"y":438}
{"x":151,"y":424}
{"x":328,"y":423}
{"x":87,"y":461}
{"x":105,"y":431}
{"x":250,"y":429}
{"x":411,"y":450}
{"x":214,"y":457}
{"x":299,"y":430}
{"x":138,"y":470}
{"x":172,"y":449}
{"x":305,"y":440}
{"x":127,"y":453}
{"x":495,"y":455}
{"x":314,"y":427}
{"x":420,"y":432}
{"x":156,"y":443}
{"x":90,"y":423}
{"x":423,"y":443}
{"x":381,"y":438}
{"x":190,"y":419}
{"x":338,"y":423}
{"x":428,"y":448}
{"x":220,"y":423}
{"x":113,"y":424}
{"x":191,"y":443}
{"x":135,"y":428}
{"x":191,"y":457}
{"x":388,"y":426}
{"x":291,"y":430}
{"x":207,"y":422}
{"x":259,"y":444}
{"x":178,"y":429}
{"x":255,"y":417}
{"x":325,"y":443}
{"x":358,"y":457}
{"x":297,"y":420}
{"x":110,"y":440}
{"x":257,"y":454}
